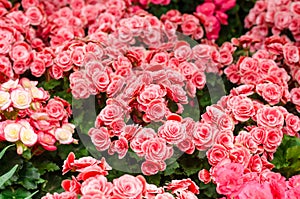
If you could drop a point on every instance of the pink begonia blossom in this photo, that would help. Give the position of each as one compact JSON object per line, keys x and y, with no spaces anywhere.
{"x":255,"y":190}
{"x":214,"y":15}
{"x":204,"y":176}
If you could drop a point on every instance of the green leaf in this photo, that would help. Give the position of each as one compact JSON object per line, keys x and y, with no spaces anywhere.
{"x":46,"y":166}
{"x":171,"y":168}
{"x":20,"y":193}
{"x":190,"y":166}
{"x":155,"y":179}
{"x":287,"y":158}
{"x":51,"y":84}
{"x":29,"y":176}
{"x":293,"y":153}
{"x":27,"y":154}
{"x":29,"y":197}
{"x":209,"y":190}
{"x":4,"y":150}
{"x":8,"y":175}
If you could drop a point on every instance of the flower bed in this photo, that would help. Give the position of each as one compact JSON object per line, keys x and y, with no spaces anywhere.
{"x":156,"y":99}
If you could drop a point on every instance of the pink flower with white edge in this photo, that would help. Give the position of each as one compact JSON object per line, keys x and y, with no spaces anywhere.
{"x":35,"y":15}
{"x":97,"y":184}
{"x":37,"y":67}
{"x":65,"y":133}
{"x":21,"y":98}
{"x":270,"y":117}
{"x":5,"y":100}
{"x":216,"y":154}
{"x":156,"y":110}
{"x":164,"y":196}
{"x":242,"y":108}
{"x":272,"y":93}
{"x":203,"y":136}
{"x":109,"y":114}
{"x":185,"y":185}
{"x":187,"y":146}
{"x":295,"y":97}
{"x":292,"y":122}
{"x":150,"y":167}
{"x":55,"y":109}
{"x":182,"y":51}
{"x":127,"y":186}
{"x":273,"y":139}
{"x":101,"y":80}
{"x":150,"y":93}
{"x":156,"y":149}
{"x":100,"y":138}
{"x":20,"y":67}
{"x":291,"y":53}
{"x":140,"y":138}
{"x":47,"y":140}
{"x":20,"y":51}
{"x":12,"y":131}
{"x":199,"y":79}
{"x":119,"y":146}
{"x":240,"y":154}
{"x":204,"y":176}
{"x":172,"y":131}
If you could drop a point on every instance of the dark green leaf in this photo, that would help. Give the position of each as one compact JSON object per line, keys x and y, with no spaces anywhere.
{"x":293,"y":153}
{"x":51,"y":84}
{"x":15,"y":194}
{"x":29,"y":176}
{"x":47,"y":166}
{"x":171,"y":168}
{"x":155,"y":179}
{"x":4,"y":150}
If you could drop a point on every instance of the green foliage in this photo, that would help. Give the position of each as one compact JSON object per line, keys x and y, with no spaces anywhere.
{"x":46,"y":166}
{"x":60,"y":88}
{"x":29,"y":176}
{"x":287,"y":157}
{"x":184,"y":6}
{"x":34,"y":177}
{"x":4,"y":150}
{"x":7,"y":175}
{"x":20,"y":193}
{"x":171,"y":169}
{"x":208,"y":190}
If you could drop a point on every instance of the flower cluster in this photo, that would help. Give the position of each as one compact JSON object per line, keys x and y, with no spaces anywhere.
{"x":233,"y":181}
{"x":212,"y":14}
{"x":141,"y":84}
{"x":29,"y":119}
{"x":273,"y":69}
{"x":142,"y":67}
{"x":92,"y":183}
{"x":279,"y":16}
{"x":263,"y":73}
{"x":21,"y":48}
{"x":145,"y":3}
{"x":35,"y":38}
{"x":239,"y":162}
